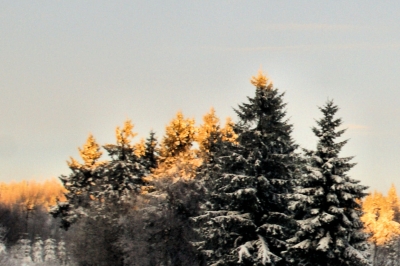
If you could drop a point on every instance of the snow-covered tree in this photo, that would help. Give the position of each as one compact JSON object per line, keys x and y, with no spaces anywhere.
{"x":80,"y":184}
{"x":37,"y":250}
{"x":123,"y":174}
{"x":50,"y":250}
{"x":62,"y":252}
{"x":327,"y":205}
{"x":25,"y":245}
{"x":246,"y":221}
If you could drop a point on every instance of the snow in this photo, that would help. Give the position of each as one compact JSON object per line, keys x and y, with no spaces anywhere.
{"x":323,"y":244}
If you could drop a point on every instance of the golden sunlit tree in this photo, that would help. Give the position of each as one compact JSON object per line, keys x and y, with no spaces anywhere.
{"x":177,"y":159}
{"x":394,"y":202}
{"x":90,"y":153}
{"x":210,"y":126}
{"x":228,"y":134}
{"x":378,"y":218}
{"x":140,"y":148}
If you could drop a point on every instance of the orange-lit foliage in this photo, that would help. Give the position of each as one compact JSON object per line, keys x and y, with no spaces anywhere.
{"x":210,"y":126}
{"x":31,"y":194}
{"x":90,"y":153}
{"x":378,"y":218}
{"x":261,"y":81}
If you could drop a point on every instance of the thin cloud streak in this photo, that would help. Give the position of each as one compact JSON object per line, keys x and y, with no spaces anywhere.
{"x":356,"y":127}
{"x":310,"y":48}
{"x":309,"y":27}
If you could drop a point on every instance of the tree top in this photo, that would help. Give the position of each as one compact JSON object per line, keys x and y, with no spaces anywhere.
{"x":261,"y":80}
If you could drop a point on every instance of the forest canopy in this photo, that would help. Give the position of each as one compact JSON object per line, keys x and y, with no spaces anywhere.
{"x":241,"y":192}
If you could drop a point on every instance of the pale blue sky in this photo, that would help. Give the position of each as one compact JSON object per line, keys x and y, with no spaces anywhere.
{"x":68,"y":68}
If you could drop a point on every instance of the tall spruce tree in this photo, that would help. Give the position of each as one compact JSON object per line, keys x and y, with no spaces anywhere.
{"x":246,"y":221}
{"x":327,"y":203}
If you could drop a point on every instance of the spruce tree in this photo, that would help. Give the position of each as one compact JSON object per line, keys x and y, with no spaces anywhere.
{"x":122,"y":175}
{"x":327,"y":203}
{"x":177,"y":160}
{"x":81,"y":184}
{"x":151,"y":154}
{"x":50,"y":250}
{"x":394,"y":202}
{"x":247,"y":222}
{"x":37,"y":250}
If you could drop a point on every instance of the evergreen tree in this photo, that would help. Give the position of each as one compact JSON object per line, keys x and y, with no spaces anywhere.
{"x":50,"y":250}
{"x":37,"y":250}
{"x":25,"y":250}
{"x":228,"y":133}
{"x":327,"y":203}
{"x":394,"y":202}
{"x":247,"y":221}
{"x":150,"y":154}
{"x":62,"y":252}
{"x":81,"y":184}
{"x":177,"y":159}
{"x":123,"y":174}
{"x":210,"y":126}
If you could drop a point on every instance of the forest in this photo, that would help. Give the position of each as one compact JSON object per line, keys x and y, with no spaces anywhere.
{"x":239,"y":192}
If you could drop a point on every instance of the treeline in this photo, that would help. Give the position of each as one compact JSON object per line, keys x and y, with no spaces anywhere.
{"x":241,"y":193}
{"x":27,"y":231}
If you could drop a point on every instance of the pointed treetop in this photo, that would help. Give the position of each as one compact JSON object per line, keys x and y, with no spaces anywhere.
{"x":210,"y":126}
{"x":125,"y":135}
{"x":90,"y":153}
{"x":261,"y":81}
{"x":228,"y":134}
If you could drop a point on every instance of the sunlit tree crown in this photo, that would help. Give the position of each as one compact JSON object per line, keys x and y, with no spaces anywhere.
{"x":392,"y":197}
{"x":378,"y":218}
{"x":140,"y":148}
{"x":209,"y":126}
{"x":228,"y":134}
{"x":179,"y":136}
{"x":261,"y":81}
{"x":90,"y":153}
{"x":125,"y":135}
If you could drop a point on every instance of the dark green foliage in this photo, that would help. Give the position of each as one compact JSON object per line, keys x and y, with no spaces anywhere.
{"x":327,"y":211}
{"x":150,"y":158}
{"x":246,"y":219}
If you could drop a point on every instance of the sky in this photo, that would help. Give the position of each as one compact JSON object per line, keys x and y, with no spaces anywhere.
{"x":70,"y":68}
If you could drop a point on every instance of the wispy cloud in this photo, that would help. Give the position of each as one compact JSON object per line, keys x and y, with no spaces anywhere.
{"x":310,"y":48}
{"x":309,"y":27}
{"x":356,"y":126}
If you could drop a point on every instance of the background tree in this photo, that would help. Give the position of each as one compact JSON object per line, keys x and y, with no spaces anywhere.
{"x":378,"y":218}
{"x":327,"y":203}
{"x":158,"y":231}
